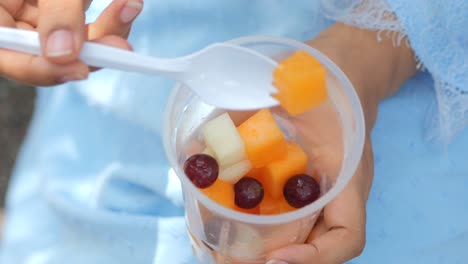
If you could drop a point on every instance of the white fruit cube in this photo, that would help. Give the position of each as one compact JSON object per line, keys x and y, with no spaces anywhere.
{"x":247,"y":244}
{"x":221,"y":136}
{"x":209,"y":151}
{"x":233,"y":173}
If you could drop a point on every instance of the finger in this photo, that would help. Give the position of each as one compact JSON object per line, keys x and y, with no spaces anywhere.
{"x":11,"y":6}
{"x":335,"y":247}
{"x":27,"y":14}
{"x":319,"y":229}
{"x":25,"y":26}
{"x":40,"y":72}
{"x":6,"y":20}
{"x":61,"y":29}
{"x":87,"y":4}
{"x":37,"y":71}
{"x":114,"y":41}
{"x":116,"y":19}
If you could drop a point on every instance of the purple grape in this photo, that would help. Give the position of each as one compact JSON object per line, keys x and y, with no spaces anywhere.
{"x":248,"y":193}
{"x":301,"y":190}
{"x":202,"y":170}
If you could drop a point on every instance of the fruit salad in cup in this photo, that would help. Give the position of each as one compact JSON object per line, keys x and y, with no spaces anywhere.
{"x":257,"y":181}
{"x":254,"y":164}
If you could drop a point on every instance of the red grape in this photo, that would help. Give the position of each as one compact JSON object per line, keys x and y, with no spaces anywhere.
{"x":301,"y":190}
{"x":248,"y":193}
{"x":202,"y":170}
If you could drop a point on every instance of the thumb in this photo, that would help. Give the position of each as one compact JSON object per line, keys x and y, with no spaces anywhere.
{"x":336,"y":246}
{"x":294,"y":254}
{"x":61,"y":26}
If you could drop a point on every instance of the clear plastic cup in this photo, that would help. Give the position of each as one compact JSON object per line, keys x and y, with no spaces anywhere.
{"x":221,"y":235}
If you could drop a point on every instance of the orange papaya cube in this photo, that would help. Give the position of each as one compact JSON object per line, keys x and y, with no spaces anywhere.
{"x":255,"y":210}
{"x":255,"y":173}
{"x":271,"y":206}
{"x":284,"y":206}
{"x":301,"y":83}
{"x":276,"y":173}
{"x":221,"y":192}
{"x":263,"y":139}
{"x":268,"y":206}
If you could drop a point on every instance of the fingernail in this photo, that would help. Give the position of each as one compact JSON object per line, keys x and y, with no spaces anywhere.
{"x":72,"y":77}
{"x":130,"y":11}
{"x":59,"y":43}
{"x":274,"y":261}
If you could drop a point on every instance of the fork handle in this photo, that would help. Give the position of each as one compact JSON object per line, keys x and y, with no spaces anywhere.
{"x":97,"y":55}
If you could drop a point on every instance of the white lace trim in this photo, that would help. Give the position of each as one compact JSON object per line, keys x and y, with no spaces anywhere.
{"x":369,"y":14}
{"x":452,"y":110}
{"x":452,"y":113}
{"x":374,"y":15}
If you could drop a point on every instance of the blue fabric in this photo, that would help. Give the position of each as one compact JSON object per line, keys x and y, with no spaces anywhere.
{"x":438,"y":33}
{"x":92,"y":184}
{"x":417,"y":206}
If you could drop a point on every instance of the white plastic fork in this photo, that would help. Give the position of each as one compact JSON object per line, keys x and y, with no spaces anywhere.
{"x":223,"y":75}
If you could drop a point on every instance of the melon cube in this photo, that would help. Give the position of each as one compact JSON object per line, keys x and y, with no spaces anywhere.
{"x":268,"y":206}
{"x":255,"y":173}
{"x":248,"y":243}
{"x":272,"y":206}
{"x":222,"y":137}
{"x":276,"y":173}
{"x":255,"y":210}
{"x":209,"y":151}
{"x":221,"y":192}
{"x":301,"y":83}
{"x":235,"y":172}
{"x":263,"y":139}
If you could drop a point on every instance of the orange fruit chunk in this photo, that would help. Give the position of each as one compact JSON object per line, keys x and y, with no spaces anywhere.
{"x":263,"y":139}
{"x":255,"y":173}
{"x":300,"y":80}
{"x":223,"y":193}
{"x":274,"y":175}
{"x":255,"y":210}
{"x":271,"y":206}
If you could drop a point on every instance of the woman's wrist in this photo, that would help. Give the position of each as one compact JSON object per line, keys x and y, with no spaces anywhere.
{"x":376,"y":69}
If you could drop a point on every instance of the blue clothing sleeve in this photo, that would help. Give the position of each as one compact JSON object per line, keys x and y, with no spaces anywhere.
{"x":438,"y":33}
